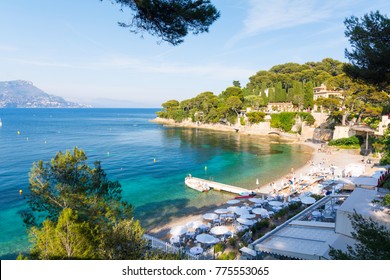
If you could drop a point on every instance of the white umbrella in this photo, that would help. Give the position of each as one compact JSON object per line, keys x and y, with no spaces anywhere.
{"x":275,"y":203}
{"x":232,"y":208}
{"x":240,"y":211}
{"x":219,"y":230}
{"x":256,"y":200}
{"x":308,"y":200}
{"x":210,"y":216}
{"x":248,"y":216}
{"x":247,"y":208}
{"x":194,"y":224}
{"x":203,"y":227}
{"x":205,"y":238}
{"x":245,"y":221}
{"x":174,"y":239}
{"x":260,"y":211}
{"x":196,"y":250}
{"x":221,"y":211}
{"x":179,"y":230}
{"x":233,"y":201}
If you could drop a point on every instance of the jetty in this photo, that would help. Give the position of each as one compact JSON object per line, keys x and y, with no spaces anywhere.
{"x":221,"y":187}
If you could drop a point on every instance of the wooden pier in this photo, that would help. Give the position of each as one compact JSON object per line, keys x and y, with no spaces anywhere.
{"x":222,"y":187}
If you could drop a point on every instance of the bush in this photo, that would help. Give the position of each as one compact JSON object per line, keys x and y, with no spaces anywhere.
{"x":219,"y":247}
{"x":227,"y":256}
{"x":242,"y":121}
{"x":260,"y":225}
{"x":307,"y":117}
{"x":294,"y":206}
{"x":284,"y":120}
{"x":350,"y":142}
{"x":255,"y":117}
{"x":233,"y":241}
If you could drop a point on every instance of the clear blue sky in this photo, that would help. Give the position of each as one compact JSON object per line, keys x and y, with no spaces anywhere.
{"x":75,"y":49}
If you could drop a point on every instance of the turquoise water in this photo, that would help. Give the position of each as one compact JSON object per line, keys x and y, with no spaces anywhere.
{"x":127,"y":143}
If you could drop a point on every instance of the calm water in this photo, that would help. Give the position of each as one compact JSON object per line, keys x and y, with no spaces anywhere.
{"x":127,"y":143}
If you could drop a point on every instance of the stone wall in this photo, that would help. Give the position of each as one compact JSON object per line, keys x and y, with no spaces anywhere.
{"x":316,"y":133}
{"x":343,"y":132}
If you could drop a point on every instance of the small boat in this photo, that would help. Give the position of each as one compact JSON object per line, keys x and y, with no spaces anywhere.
{"x":246,"y":195}
{"x":196,"y":185}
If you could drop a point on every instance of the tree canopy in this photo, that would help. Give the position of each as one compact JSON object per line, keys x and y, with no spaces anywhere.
{"x":373,"y":241}
{"x":170,"y":20}
{"x":370,"y":55}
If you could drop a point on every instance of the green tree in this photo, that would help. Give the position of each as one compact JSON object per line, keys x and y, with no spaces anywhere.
{"x":237,"y":84}
{"x":255,"y":117}
{"x":66,"y":239}
{"x":308,"y":97}
{"x":78,"y":208}
{"x":169,"y":109}
{"x":124,"y":241}
{"x":386,"y":149}
{"x":170,"y":20}
{"x":254,"y":101}
{"x":370,"y":55}
{"x":232,"y":91}
{"x":372,"y":241}
{"x":67,"y":181}
{"x":234,"y":103}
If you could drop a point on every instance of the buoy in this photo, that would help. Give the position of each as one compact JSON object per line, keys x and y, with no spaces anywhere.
{"x":154,"y":160}
{"x":18,"y":132}
{"x":20,"y":191}
{"x":257,"y":181}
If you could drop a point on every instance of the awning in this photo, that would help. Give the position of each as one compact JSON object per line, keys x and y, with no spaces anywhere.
{"x":248,"y":251}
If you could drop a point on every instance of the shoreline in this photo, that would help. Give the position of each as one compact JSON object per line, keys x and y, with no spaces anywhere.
{"x":336,"y":157}
{"x":221,"y":127}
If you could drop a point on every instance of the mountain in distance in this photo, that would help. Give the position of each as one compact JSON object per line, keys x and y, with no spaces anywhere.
{"x":23,"y":94}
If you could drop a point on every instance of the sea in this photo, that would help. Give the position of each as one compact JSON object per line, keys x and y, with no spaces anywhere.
{"x":149,"y":160}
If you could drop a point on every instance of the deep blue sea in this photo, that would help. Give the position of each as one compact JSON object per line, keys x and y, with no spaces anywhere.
{"x":149,"y":160}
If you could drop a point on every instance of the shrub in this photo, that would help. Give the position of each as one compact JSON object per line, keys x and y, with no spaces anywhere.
{"x":233,"y":241}
{"x":284,"y":120}
{"x":242,"y":121}
{"x":260,"y":225}
{"x":227,"y":256}
{"x":255,"y":117}
{"x":307,"y":117}
{"x":294,"y":206}
{"x":386,"y":200}
{"x":351,"y":142}
{"x":219,"y":247}
{"x":316,"y":196}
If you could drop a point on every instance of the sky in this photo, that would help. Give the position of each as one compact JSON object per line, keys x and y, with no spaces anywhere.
{"x":75,"y":49}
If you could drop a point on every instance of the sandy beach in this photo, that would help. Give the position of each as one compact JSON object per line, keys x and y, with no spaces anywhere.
{"x":332,"y":156}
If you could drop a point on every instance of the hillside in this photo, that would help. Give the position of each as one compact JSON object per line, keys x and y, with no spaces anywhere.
{"x":23,"y":94}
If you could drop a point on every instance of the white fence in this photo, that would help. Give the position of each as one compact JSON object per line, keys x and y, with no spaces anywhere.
{"x":168,"y":248}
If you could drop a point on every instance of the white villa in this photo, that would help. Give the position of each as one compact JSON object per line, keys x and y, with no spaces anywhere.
{"x":322,"y":92}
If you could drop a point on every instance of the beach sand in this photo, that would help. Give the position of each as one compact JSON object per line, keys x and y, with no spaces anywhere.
{"x":336,"y":157}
